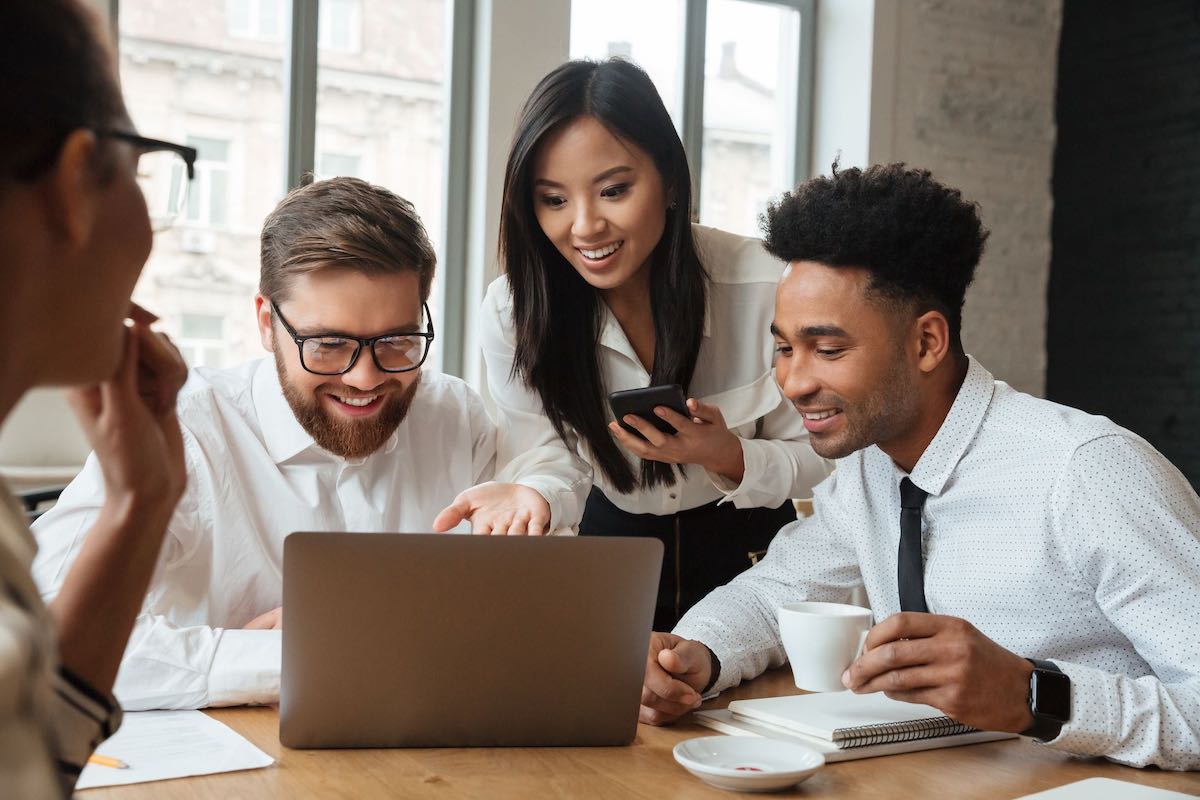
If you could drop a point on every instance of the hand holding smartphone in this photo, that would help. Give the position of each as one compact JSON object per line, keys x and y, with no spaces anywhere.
{"x":642,"y":402}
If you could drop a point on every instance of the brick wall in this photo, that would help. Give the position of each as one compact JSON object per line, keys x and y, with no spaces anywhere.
{"x":973,"y":100}
{"x":1124,"y":295}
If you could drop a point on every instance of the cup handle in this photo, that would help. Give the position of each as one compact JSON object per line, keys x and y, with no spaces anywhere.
{"x":862,"y":642}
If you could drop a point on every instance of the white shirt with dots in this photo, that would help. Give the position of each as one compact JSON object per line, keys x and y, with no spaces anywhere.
{"x":1058,"y":534}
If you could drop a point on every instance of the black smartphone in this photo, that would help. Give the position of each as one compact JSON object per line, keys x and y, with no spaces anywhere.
{"x":642,"y":402}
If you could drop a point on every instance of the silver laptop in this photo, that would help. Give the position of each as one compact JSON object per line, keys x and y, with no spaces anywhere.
{"x":441,"y":640}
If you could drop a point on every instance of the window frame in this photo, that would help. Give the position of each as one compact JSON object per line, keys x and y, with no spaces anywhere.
{"x":300,"y":32}
{"x":694,"y":55}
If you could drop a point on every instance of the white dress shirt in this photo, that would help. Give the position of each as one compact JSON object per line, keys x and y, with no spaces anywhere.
{"x":734,"y":371}
{"x":50,"y":721}
{"x":1058,"y":534}
{"x":254,"y":476}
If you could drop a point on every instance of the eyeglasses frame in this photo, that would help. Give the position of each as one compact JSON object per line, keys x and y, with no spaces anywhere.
{"x":369,"y":344}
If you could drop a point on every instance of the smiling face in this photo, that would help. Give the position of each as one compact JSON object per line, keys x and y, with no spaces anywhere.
{"x":353,"y":414}
{"x":600,"y":201}
{"x":843,"y":359}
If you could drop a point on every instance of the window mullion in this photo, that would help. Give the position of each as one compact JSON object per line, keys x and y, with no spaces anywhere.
{"x":804,"y":89}
{"x":456,"y":173}
{"x":300,"y":93}
{"x":694,"y":40}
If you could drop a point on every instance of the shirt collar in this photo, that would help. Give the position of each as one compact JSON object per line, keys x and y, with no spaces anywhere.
{"x":933,"y":470}
{"x":284,"y":437}
{"x":282,"y":434}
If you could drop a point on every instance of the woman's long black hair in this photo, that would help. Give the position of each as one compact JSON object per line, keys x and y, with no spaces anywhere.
{"x":556,"y":312}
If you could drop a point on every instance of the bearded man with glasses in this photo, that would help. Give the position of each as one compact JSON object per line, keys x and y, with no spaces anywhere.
{"x":341,"y":429}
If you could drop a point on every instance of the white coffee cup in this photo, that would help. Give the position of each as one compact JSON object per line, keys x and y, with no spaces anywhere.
{"x":821,"y":640}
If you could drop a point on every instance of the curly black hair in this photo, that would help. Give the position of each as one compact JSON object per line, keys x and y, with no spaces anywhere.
{"x":919,"y":239}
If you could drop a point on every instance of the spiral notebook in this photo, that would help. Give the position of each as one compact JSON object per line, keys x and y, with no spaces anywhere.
{"x":844,"y":725}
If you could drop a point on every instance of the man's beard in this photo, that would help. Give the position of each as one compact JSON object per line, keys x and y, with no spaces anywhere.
{"x":348,"y":438}
{"x":881,"y":416}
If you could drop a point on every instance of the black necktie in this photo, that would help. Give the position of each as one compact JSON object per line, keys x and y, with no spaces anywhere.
{"x":910,"y":569}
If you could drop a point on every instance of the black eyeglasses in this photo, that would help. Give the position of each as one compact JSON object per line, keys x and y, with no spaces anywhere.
{"x":336,"y":354}
{"x":164,"y":172}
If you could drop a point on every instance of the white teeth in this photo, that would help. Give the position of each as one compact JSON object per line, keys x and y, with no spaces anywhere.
{"x":603,"y":252}
{"x":815,"y":415}
{"x":357,"y":401}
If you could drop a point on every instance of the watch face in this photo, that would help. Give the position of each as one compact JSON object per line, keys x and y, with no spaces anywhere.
{"x":1052,"y":695}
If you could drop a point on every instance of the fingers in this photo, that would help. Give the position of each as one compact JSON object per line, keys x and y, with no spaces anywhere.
{"x":452,"y":515}
{"x":703,"y":412}
{"x":676,"y":420}
{"x":664,"y":698}
{"x":538,"y":523}
{"x":654,"y":437}
{"x":161,"y":369}
{"x":519,"y":525}
{"x":904,"y":679}
{"x":141,"y":315}
{"x":905,"y":625}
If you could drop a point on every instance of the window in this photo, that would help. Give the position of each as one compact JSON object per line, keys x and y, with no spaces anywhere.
{"x":200,"y":339}
{"x":208,"y":197}
{"x":380,"y":110}
{"x":633,"y":30}
{"x":752,"y":83}
{"x":332,"y":164}
{"x":254,"y":19}
{"x":752,"y":59}
{"x":193,"y":83}
{"x":340,"y":26}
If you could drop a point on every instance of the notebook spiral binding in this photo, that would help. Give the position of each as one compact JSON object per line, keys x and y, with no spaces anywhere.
{"x":892,"y":732}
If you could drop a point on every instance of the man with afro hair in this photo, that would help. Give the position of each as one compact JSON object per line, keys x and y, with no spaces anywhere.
{"x":1028,"y":564}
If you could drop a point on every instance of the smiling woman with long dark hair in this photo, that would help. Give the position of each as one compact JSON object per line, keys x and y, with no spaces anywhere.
{"x":608,"y":285}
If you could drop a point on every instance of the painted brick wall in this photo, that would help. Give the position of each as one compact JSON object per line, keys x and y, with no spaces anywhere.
{"x":974,"y":102}
{"x":1124,"y":296}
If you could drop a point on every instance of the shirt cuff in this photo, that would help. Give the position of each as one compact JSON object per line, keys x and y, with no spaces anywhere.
{"x":245,"y":668}
{"x":83,"y":717}
{"x":1095,"y":713}
{"x":752,"y":475}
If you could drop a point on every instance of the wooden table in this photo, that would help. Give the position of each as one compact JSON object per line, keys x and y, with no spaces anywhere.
{"x":646,"y":769}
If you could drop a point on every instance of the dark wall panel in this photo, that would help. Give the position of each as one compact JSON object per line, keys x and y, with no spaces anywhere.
{"x":1123,"y":332}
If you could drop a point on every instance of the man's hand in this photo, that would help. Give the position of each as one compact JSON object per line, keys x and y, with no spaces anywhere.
{"x":131,"y":424}
{"x":946,"y":663}
{"x":499,"y":509}
{"x":272,"y":620}
{"x":703,"y":438}
{"x":676,"y":670}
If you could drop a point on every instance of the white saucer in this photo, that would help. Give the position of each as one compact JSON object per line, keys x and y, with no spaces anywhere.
{"x":748,"y":763}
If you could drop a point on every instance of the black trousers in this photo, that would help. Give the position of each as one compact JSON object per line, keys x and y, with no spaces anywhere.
{"x":704,"y":547}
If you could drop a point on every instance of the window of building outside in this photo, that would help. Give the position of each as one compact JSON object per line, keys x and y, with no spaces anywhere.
{"x":650,"y":34}
{"x":751,"y":66}
{"x":380,"y":106}
{"x":254,"y":19}
{"x":217,"y":83}
{"x":200,"y":338}
{"x":333,"y":164}
{"x":339,"y":25}
{"x":208,"y":196}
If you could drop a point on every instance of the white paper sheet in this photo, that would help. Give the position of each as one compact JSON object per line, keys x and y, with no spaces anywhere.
{"x":158,"y":745}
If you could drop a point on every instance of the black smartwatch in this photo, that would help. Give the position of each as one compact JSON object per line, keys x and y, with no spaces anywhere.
{"x":1049,"y":700}
{"x":714,"y":666}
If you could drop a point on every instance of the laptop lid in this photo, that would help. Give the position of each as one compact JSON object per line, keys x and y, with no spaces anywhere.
{"x":439,"y":640}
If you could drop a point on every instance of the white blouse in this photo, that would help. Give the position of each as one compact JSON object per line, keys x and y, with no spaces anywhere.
{"x":734,"y":372}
